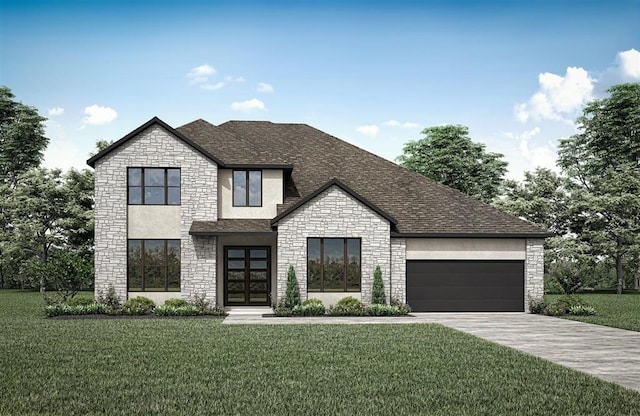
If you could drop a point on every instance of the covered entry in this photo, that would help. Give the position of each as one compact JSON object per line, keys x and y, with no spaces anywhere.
{"x":247,"y":275}
{"x":465,"y":285}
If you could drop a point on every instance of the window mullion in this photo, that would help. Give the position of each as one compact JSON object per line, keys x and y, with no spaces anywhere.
{"x":322,"y":265}
{"x":142,"y":256}
{"x":344,"y":264}
{"x":246,"y":181}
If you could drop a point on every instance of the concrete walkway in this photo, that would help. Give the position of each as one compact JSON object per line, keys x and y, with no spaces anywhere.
{"x":608,"y":353}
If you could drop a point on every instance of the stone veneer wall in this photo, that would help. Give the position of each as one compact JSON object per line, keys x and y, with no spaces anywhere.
{"x":155,"y":147}
{"x":534,"y":271}
{"x":399,"y":269}
{"x":333,"y":213}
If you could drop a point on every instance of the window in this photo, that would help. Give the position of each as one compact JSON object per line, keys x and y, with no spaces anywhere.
{"x":154,"y":186}
{"x":247,"y":188}
{"x":153,"y":266}
{"x":333,"y":264}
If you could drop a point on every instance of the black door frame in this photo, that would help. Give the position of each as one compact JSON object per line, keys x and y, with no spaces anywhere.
{"x":247,"y":275}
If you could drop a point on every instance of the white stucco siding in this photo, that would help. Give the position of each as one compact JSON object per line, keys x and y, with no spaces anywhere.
{"x":153,"y":221}
{"x":465,"y":249}
{"x":154,"y":147}
{"x":272,"y":195}
{"x":333,"y":213}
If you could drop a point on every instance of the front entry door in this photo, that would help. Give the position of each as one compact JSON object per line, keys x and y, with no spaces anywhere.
{"x":247,"y":275}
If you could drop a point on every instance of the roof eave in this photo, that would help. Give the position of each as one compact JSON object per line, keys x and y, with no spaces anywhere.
{"x":155,"y":120}
{"x":471,"y":235}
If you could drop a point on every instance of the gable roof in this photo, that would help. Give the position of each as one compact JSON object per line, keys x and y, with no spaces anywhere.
{"x":345,"y":188}
{"x":154,"y":121}
{"x":314,"y":160}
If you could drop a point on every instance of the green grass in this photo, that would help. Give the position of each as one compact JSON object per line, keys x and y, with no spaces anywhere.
{"x":198,"y":367}
{"x":618,"y":311}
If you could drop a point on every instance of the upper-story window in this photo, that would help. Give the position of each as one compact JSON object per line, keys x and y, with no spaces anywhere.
{"x":247,"y":188}
{"x":154,"y":186}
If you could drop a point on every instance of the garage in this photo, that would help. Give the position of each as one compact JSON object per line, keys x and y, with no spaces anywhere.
{"x":465,"y":285}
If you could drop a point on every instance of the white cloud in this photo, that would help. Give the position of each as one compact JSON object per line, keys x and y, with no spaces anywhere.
{"x":263,"y":87}
{"x":200,"y":74}
{"x":56,"y":111}
{"x":234,"y":79}
{"x":368,"y":130}
{"x":406,"y":124}
{"x":97,"y":114}
{"x":249,"y":105}
{"x":558,"y":98}
{"x":561,"y":98}
{"x":212,"y":87}
{"x":525,"y":155}
{"x":63,"y":154}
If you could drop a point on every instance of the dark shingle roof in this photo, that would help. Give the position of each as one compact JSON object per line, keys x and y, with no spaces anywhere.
{"x":420,"y":205}
{"x":230,"y":226}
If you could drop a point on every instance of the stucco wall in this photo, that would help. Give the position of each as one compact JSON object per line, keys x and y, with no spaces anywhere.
{"x":153,"y":221}
{"x":272,"y":195}
{"x":154,"y":147}
{"x":333,"y":213}
{"x":465,"y":249}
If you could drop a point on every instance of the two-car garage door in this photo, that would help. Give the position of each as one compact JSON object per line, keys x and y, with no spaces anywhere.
{"x":465,"y":285}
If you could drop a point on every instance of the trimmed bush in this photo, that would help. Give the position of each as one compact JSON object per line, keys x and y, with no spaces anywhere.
{"x":310,"y":307}
{"x":65,"y":309}
{"x":111,"y":301}
{"x":376,"y":309}
{"x":377,"y":292}
{"x":563,"y":305}
{"x":138,"y":306}
{"x":537,"y":306}
{"x":292,"y":295}
{"x":169,"y":310}
{"x":404,"y":307}
{"x":80,"y":301}
{"x":176,"y":302}
{"x":348,"y":306}
{"x":281,"y":310}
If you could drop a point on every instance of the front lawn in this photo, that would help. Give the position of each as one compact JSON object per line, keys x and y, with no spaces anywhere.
{"x":619,"y":311}
{"x":193,"y":367}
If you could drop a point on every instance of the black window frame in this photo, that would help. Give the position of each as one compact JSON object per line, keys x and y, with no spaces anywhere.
{"x":142,"y":185}
{"x":165,"y":266}
{"x":345,"y":286}
{"x":247,"y":175}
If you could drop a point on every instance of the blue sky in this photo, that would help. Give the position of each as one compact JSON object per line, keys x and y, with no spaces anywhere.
{"x":373,"y":73}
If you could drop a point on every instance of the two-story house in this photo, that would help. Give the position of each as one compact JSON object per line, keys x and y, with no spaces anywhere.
{"x":224,"y":211}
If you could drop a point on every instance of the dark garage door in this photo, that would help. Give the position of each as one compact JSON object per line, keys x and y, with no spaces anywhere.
{"x":465,"y":285}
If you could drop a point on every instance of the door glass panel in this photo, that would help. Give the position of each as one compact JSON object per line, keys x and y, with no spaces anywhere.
{"x":258,"y":254}
{"x":258,"y":264}
{"x":258,"y":286}
{"x":258,"y":275}
{"x":235,"y":275}
{"x":235,"y":264}
{"x":236,"y":298}
{"x":235,"y":253}
{"x":258,"y":297}
{"x":235,"y":286}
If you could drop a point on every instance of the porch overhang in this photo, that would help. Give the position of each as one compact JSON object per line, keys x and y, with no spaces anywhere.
{"x":232,"y":227}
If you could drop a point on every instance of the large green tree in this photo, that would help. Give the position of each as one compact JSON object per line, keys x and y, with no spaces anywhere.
{"x":22,"y":139}
{"x":602,"y":162}
{"x":447,"y":155}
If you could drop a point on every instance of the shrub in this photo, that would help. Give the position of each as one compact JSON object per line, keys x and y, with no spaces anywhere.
{"x":537,"y":306}
{"x":281,"y":310}
{"x":170,"y":310}
{"x":376,"y":309}
{"x":68,"y":273}
{"x":348,"y":306}
{"x":80,"y":300}
{"x":570,"y":276}
{"x":111,"y":301}
{"x":580,"y":310}
{"x":310,"y":307}
{"x":65,"y":309}
{"x":562,"y":305}
{"x":138,"y":306}
{"x":292,"y":295}
{"x":205,"y":307}
{"x":377,"y":292}
{"x":176,"y":303}
{"x":405,"y":309}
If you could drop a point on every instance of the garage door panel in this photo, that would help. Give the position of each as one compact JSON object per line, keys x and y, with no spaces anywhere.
{"x":465,"y":285}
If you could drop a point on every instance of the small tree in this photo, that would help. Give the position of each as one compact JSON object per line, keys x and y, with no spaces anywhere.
{"x":377,"y":293}
{"x":292,"y":296}
{"x":68,"y":273}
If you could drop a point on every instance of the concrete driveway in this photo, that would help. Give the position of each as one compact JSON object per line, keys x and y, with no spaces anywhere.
{"x":607,"y":353}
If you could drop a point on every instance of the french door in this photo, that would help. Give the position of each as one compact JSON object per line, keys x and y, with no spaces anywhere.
{"x":247,"y":275}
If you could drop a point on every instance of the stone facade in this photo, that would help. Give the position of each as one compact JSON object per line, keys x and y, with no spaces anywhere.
{"x":155,"y":147}
{"x":333,"y":213}
{"x":534,"y":271}
{"x":398,"y":287}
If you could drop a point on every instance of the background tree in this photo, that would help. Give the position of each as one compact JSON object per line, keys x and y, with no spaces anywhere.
{"x":448,"y":155}
{"x":22,"y":140}
{"x":602,"y":163}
